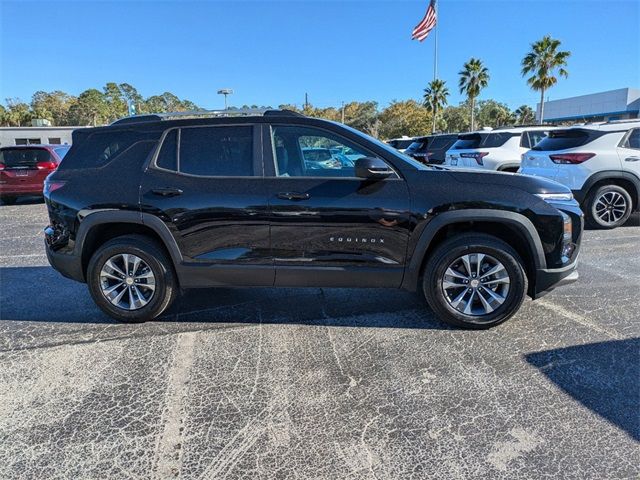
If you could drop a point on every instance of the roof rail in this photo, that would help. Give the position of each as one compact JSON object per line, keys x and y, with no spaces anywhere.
{"x":246,"y":112}
{"x":625,"y":120}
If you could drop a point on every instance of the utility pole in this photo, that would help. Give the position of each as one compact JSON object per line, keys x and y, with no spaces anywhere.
{"x":306,"y":101}
{"x":343,"y":112}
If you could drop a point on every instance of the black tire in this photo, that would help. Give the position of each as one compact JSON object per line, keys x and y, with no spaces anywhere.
{"x":147,"y":249}
{"x":469,"y":244}
{"x":9,"y":200}
{"x":593,"y":203}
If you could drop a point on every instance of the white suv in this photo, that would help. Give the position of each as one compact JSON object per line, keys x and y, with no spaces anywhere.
{"x":499,"y":149}
{"x":600,"y":163}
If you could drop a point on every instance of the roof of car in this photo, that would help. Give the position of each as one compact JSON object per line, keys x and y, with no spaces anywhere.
{"x":612,"y":126}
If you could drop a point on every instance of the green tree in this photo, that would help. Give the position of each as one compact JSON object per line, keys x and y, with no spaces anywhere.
{"x":404,"y":118}
{"x":131,"y":96}
{"x":525,"y":114}
{"x":456,"y":118}
{"x":473,"y":78}
{"x":4,"y":116}
{"x":116,"y":102}
{"x":435,"y":98}
{"x":54,"y":106}
{"x":490,"y":113}
{"x":18,"y":113}
{"x":90,"y":109}
{"x":542,"y":62}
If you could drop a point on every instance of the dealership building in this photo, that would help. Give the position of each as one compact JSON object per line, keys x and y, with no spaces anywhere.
{"x":620,"y":104}
{"x":10,"y":136}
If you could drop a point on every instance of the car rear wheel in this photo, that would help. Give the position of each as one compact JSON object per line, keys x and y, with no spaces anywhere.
{"x":608,"y":206}
{"x":474,"y":281}
{"x":131,"y":279}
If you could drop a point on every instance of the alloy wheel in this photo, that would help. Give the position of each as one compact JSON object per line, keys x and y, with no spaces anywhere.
{"x":610,"y":207}
{"x":127,"y":281}
{"x":475,"y":284}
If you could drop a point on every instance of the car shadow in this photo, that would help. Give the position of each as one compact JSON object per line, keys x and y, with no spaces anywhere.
{"x":62,"y":300}
{"x":26,"y":200}
{"x":604,"y":377}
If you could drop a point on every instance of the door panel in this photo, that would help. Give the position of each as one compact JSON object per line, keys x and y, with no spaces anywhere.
{"x":220,"y":224}
{"x":329,"y":228}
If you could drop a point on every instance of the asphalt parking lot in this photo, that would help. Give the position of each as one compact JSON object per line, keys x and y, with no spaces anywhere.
{"x":316,"y":383}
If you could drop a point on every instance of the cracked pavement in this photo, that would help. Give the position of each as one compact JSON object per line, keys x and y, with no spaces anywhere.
{"x":317,"y":383}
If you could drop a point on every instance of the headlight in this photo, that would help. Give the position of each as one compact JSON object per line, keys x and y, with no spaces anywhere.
{"x":555,"y":197}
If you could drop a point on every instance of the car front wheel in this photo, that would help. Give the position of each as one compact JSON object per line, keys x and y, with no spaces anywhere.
{"x":474,"y":281}
{"x":131,"y":278}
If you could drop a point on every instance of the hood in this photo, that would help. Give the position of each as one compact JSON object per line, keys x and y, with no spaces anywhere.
{"x":528,"y":183}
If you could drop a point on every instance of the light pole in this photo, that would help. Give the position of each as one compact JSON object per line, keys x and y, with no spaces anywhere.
{"x":225,"y":92}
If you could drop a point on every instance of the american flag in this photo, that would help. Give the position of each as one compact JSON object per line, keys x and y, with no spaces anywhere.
{"x":421,"y":31}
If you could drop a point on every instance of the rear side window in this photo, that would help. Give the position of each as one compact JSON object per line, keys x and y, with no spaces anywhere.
{"x":168,"y":156}
{"x":633,"y":140}
{"x":217,"y":151}
{"x":100,"y":148}
{"x":23,"y":157}
{"x":563,"y":139}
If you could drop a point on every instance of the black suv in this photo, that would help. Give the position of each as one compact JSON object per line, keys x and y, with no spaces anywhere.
{"x":153,"y":204}
{"x":431,"y":149}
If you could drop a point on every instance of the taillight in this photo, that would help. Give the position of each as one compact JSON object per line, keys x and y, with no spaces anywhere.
{"x":571,"y":158}
{"x":46,"y":165}
{"x":1,"y":166}
{"x":51,"y":186}
{"x":477,"y":156}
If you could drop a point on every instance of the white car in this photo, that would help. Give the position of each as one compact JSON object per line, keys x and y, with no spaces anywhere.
{"x":402,"y":143}
{"x":600,"y":163}
{"x":500,"y":149}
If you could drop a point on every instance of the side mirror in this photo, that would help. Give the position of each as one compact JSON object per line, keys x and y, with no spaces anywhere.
{"x":372,"y":168}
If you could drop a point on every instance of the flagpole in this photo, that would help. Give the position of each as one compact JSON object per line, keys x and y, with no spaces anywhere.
{"x":435,"y":63}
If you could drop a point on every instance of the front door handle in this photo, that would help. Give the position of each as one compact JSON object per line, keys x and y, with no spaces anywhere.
{"x":293,"y":196}
{"x":167,"y":191}
{"x":632,"y":159}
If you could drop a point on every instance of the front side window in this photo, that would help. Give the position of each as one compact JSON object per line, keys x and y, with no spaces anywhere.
{"x":216,"y":151}
{"x":310,"y":152}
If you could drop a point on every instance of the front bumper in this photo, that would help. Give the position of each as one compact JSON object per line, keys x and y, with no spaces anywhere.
{"x":547,"y":279}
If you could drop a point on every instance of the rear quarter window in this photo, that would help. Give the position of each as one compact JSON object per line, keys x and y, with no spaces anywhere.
{"x":100,"y":148}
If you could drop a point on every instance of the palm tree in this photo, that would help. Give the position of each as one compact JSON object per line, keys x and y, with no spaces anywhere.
{"x":525,"y":114}
{"x":435,"y":98}
{"x":473,"y":78}
{"x":542,"y":62}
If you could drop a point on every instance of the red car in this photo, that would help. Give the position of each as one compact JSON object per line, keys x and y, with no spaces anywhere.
{"x":23,"y":169}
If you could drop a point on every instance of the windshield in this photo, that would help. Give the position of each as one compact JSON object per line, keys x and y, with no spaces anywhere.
{"x":388,"y":148}
{"x":61,"y":151}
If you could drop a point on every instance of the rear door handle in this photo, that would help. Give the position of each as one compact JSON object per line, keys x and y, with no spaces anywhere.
{"x":632,"y":159}
{"x":167,"y":191}
{"x":293,"y":196}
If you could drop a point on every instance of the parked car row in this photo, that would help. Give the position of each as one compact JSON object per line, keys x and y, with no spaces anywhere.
{"x":24,"y":168}
{"x":600,"y":163}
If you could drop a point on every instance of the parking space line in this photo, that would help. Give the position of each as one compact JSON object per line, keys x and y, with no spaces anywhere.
{"x":578,"y":319}
{"x":170,"y":445}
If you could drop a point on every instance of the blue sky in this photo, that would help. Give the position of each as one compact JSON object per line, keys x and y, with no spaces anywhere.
{"x":273,"y":52}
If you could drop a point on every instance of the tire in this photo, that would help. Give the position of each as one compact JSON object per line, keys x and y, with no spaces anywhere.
{"x":442,"y":296}
{"x":101,"y":278}
{"x":9,"y":200}
{"x":608,"y":206}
